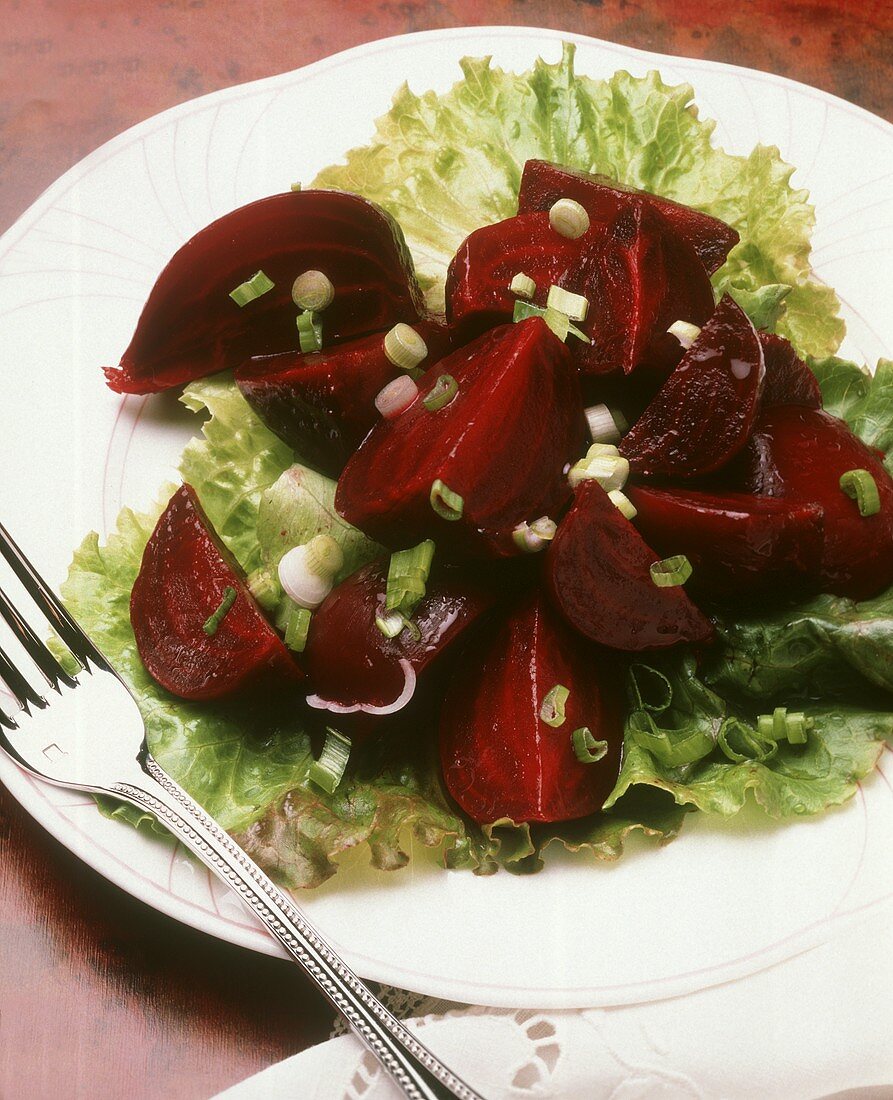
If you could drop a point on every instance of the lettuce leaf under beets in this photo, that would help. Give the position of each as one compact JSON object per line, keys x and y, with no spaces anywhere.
{"x":444,"y":165}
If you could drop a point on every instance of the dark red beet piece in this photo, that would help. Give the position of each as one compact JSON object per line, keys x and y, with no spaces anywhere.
{"x":788,"y":379}
{"x":598,"y":575}
{"x":181,"y":583}
{"x":323,"y":404}
{"x":499,"y":758}
{"x":637,"y":273}
{"x":737,"y":544}
{"x":191,"y":327}
{"x":799,"y":455}
{"x":703,"y":414}
{"x":502,"y":444}
{"x":355,"y":670}
{"x":542,"y":184}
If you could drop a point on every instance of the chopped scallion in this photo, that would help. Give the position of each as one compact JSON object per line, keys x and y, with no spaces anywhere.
{"x":781,"y":726}
{"x":605,"y":426}
{"x":264,"y":586}
{"x":544,"y":528}
{"x":603,"y":463}
{"x":296,"y":186}
{"x":685,"y":332}
{"x":447,"y":504}
{"x":408,"y":573}
{"x":328,"y":771}
{"x":396,"y":397}
{"x":296,"y":627}
{"x":671,"y":572}
{"x":309,"y":331}
{"x":312,"y":291}
{"x":861,"y":487}
{"x":214,"y":620}
{"x":623,"y":504}
{"x":568,"y":218}
{"x":522,"y":286}
{"x":573,"y":306}
{"x":586,"y":749}
{"x":390,"y":625}
{"x":404,"y":347}
{"x":558,"y":322}
{"x":441,"y":393}
{"x":552,"y":710}
{"x":251,"y":289}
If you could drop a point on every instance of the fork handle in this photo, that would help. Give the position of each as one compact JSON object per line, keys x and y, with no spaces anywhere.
{"x":413,"y":1067}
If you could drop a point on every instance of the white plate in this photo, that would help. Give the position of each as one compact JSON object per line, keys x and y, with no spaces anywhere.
{"x":726,"y":899}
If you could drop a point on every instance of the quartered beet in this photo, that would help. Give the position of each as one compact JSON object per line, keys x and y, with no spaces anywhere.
{"x":181,"y":583}
{"x":788,"y":379}
{"x":502,"y":444}
{"x":799,"y":455}
{"x":738,"y":544}
{"x":323,"y":403}
{"x":598,"y":575}
{"x":499,"y":758}
{"x":191,"y":327}
{"x":637,"y":273}
{"x":542,"y":184}
{"x":704,"y":412}
{"x":354,"y":669}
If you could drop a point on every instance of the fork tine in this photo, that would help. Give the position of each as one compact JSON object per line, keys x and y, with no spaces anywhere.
{"x":52,"y":608}
{"x":52,"y":671}
{"x":18,"y":686}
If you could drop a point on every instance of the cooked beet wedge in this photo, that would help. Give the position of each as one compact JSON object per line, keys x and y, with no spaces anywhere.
{"x":636,"y":272}
{"x":182,"y":582}
{"x":703,"y":414}
{"x":788,"y":379}
{"x":800,"y":455}
{"x":501,"y":444}
{"x":499,"y":757}
{"x":543,"y":184}
{"x":354,"y":669}
{"x":323,"y":404}
{"x":737,"y":544}
{"x":190,"y":326}
{"x":598,"y":575}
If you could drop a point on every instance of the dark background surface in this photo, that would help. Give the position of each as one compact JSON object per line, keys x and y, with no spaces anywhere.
{"x":99,"y":996}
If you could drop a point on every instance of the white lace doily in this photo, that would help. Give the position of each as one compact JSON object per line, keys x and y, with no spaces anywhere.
{"x":816,"y":1025}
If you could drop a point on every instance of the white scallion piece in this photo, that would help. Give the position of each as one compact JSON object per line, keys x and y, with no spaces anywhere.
{"x":603,"y":463}
{"x":685,"y":332}
{"x":522,"y":286}
{"x":404,"y":347}
{"x":307,"y":573}
{"x":568,"y":218}
{"x":396,"y":397}
{"x":312,"y":291}
{"x":574,"y":306}
{"x":605,"y":426}
{"x":623,"y":504}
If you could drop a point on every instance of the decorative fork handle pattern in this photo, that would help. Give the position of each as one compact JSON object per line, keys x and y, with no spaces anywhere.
{"x":416,"y":1070}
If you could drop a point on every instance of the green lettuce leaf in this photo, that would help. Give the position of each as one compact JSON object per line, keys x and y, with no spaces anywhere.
{"x":444,"y":165}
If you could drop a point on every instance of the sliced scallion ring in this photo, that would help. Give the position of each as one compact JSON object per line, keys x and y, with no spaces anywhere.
{"x":782,"y":726}
{"x":623,"y":504}
{"x":544,"y":528}
{"x":441,"y":393}
{"x":309,"y":331}
{"x":328,"y":771}
{"x":522,"y":286}
{"x":396,"y":397}
{"x":447,"y":504}
{"x":404,"y":347}
{"x":609,"y":470}
{"x":685,"y":332}
{"x":552,"y":709}
{"x":671,"y":571}
{"x":391,"y":624}
{"x":861,"y":487}
{"x":214,"y":620}
{"x":573,"y":306}
{"x":251,"y":289}
{"x":605,"y":425}
{"x":586,"y":748}
{"x":568,"y":218}
{"x":313,"y":291}
{"x":558,"y":322}
{"x":408,"y":572}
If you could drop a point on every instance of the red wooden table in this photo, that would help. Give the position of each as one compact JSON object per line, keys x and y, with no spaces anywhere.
{"x":99,"y":996}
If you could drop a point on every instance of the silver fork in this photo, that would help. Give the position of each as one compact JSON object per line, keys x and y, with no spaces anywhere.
{"x":85,"y":732}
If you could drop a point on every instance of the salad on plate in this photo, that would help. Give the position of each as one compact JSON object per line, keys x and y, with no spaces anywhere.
{"x":531,"y":502}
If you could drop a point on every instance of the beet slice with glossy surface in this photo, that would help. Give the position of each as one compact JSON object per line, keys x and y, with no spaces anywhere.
{"x":788,"y":379}
{"x":799,"y":455}
{"x":636,"y":272}
{"x":598,"y":575}
{"x":190,"y":327}
{"x":182,"y":581}
{"x":499,"y":757}
{"x":543,"y":184}
{"x":703,"y":414}
{"x":502,"y":444}
{"x":355,"y":670}
{"x":738,"y":544}
{"x":323,"y":403}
